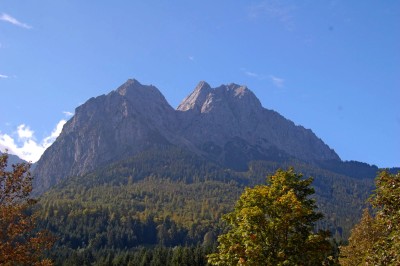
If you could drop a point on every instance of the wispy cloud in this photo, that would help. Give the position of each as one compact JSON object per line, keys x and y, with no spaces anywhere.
{"x":278,"y":82}
{"x":3,"y":76}
{"x":191,"y":58}
{"x":14,"y":21}
{"x":274,"y":10}
{"x":23,"y":142}
{"x":68,"y":114}
{"x":251,"y":74}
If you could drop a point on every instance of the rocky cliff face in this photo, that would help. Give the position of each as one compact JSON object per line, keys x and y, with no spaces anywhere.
{"x":226,"y":124}
{"x":108,"y":128}
{"x":232,"y":114}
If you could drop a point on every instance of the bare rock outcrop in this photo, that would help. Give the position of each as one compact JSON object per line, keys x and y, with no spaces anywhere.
{"x":226,"y":124}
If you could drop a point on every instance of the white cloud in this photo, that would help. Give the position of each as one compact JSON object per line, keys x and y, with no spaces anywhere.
{"x":251,"y":74}
{"x":24,"y":132}
{"x":54,"y":134}
{"x":68,"y":114}
{"x":191,"y":58}
{"x":26,"y":146}
{"x":278,"y":82}
{"x":3,"y":76}
{"x":14,"y":21}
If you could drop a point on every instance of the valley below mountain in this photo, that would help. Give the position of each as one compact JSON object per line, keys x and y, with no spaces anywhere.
{"x":129,"y":171}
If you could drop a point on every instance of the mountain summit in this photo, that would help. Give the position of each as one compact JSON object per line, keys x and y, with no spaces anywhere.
{"x":230,"y":121}
{"x":226,"y":124}
{"x":196,"y":99}
{"x":108,"y":128}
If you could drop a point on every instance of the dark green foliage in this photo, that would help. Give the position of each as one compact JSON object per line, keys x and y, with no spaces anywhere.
{"x":171,"y":163}
{"x":156,"y":256}
{"x":351,"y":168}
{"x":171,"y":198}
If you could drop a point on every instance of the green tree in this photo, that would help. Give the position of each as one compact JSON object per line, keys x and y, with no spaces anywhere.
{"x":273,"y":225}
{"x":20,"y":244}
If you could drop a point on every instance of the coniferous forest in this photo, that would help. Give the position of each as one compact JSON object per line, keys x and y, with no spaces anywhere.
{"x":159,"y":133}
{"x":168,"y":207}
{"x":171,"y":202}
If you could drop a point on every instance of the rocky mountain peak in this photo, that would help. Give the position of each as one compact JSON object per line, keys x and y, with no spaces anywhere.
{"x":135,"y":91}
{"x":196,"y":99}
{"x":240,"y":93}
{"x":233,"y":114}
{"x":132,"y":118}
{"x":215,"y":122}
{"x":204,"y":98}
{"x":128,"y":85}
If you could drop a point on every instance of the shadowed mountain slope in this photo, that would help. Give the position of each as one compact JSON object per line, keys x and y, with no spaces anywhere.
{"x":227,"y":125}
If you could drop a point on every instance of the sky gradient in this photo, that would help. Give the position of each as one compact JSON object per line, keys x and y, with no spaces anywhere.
{"x":331,"y":66}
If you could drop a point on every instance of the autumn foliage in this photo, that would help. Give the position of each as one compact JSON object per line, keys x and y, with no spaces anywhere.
{"x":273,"y":224}
{"x":375,"y":240}
{"x":20,"y":242}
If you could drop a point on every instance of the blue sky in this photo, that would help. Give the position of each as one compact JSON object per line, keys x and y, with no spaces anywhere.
{"x":331,"y":66}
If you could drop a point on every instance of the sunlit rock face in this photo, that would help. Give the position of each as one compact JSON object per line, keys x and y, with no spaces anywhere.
{"x":226,"y":124}
{"x":232,"y":114}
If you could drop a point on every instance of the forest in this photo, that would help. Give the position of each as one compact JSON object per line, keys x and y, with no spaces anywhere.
{"x":168,"y":207}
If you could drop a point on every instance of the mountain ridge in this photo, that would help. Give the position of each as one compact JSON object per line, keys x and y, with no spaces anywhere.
{"x":135,"y":172}
{"x":233,"y":111}
{"x":226,"y":124}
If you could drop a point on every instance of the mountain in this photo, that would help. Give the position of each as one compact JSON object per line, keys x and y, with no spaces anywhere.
{"x":108,"y":128}
{"x":129,"y":171}
{"x":229,"y":124}
{"x":13,"y":159}
{"x":226,"y":124}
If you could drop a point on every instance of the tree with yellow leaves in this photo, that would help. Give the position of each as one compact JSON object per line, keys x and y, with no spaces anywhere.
{"x":20,"y":243}
{"x":375,"y":240}
{"x":273,"y":225}
{"x":361,"y":242}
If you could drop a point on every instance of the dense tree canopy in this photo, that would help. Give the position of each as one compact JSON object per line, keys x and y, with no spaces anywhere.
{"x":386,"y":201}
{"x":20,"y":244}
{"x":171,"y":198}
{"x":361,"y":242}
{"x":273,"y":225}
{"x":376,"y":240}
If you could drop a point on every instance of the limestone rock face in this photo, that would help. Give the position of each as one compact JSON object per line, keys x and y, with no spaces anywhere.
{"x":226,"y":124}
{"x":108,"y":128}
{"x":232,"y":112}
{"x":196,"y":99}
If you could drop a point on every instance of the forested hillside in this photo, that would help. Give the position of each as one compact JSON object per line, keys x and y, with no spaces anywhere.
{"x":172,"y":198}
